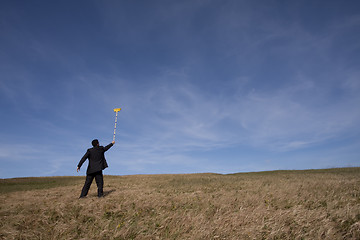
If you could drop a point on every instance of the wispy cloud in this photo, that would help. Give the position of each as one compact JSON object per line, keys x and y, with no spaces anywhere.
{"x":178,"y":119}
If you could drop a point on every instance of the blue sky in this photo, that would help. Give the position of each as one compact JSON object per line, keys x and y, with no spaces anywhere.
{"x":204,"y":86}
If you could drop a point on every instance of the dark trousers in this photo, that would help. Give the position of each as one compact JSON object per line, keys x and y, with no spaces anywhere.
{"x":99,"y":182}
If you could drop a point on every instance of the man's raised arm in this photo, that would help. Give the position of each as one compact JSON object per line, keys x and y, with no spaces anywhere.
{"x":109,"y":146}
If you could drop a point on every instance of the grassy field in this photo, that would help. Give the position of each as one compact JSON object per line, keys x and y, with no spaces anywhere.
{"x":313,"y":204}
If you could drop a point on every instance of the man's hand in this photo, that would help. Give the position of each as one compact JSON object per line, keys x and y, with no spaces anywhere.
{"x":78,"y":169}
{"x":113,"y":142}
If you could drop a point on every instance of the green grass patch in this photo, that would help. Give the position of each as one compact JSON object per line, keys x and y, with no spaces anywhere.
{"x":34,"y":183}
{"x":350,"y":170}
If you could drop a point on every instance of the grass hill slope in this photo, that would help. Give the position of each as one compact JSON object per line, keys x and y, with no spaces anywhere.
{"x":312,"y":204}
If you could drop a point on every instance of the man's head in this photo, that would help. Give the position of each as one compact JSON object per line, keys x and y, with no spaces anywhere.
{"x":95,"y":142}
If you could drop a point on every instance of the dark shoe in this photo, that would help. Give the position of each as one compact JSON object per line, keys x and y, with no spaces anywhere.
{"x":82,"y":197}
{"x":101,"y":196}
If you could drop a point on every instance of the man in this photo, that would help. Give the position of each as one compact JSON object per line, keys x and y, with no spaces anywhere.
{"x":97,"y":163}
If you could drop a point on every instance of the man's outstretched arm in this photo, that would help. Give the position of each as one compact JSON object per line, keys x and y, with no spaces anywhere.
{"x":82,"y":160}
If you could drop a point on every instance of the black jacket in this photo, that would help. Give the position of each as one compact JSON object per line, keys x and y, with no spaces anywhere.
{"x":97,"y":161}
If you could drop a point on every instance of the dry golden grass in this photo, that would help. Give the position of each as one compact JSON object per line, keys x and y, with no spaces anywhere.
{"x":318,"y":204}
